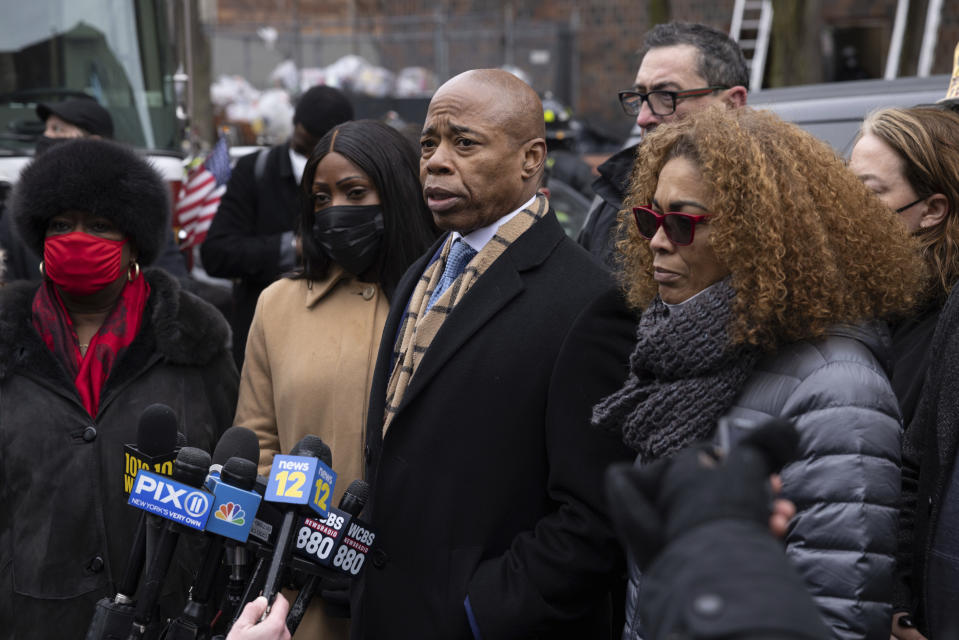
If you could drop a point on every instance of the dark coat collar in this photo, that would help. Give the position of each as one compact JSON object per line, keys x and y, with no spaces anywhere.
{"x":613,"y":181}
{"x":179,"y":327}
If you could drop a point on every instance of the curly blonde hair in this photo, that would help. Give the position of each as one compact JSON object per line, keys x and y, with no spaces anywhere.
{"x":807,"y":245}
{"x":927,"y":140}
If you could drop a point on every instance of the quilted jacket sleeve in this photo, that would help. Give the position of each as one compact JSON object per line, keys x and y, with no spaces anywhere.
{"x":845,"y":485}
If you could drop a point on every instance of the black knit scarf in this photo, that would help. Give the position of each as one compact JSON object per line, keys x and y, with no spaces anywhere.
{"x":684,"y":375}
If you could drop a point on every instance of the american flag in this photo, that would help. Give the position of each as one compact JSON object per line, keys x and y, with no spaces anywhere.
{"x":200,"y":195}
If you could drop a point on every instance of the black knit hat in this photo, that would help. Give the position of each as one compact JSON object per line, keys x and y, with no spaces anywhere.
{"x":97,"y":177}
{"x":322,"y":108}
{"x":85,"y":113}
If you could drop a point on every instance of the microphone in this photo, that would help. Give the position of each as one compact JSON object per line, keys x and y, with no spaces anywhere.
{"x":317,"y":540}
{"x":236,"y":442}
{"x":259,"y":547}
{"x":355,"y":497}
{"x":233,"y":508}
{"x":156,"y":446}
{"x":180,"y":500}
{"x":241,"y":443}
{"x":351,"y":504}
{"x":158,"y":440}
{"x":307,"y":466}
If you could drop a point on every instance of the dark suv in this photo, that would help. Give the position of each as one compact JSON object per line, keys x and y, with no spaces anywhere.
{"x":834,"y":111}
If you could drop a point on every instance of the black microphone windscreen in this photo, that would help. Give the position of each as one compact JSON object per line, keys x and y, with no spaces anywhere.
{"x":239,"y":472}
{"x":157,"y":430}
{"x":313,"y":446}
{"x":191,"y":466}
{"x":238,"y":442}
{"x":180,"y":439}
{"x":355,"y":497}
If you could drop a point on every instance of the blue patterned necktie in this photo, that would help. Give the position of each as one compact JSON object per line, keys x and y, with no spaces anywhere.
{"x":459,"y":256}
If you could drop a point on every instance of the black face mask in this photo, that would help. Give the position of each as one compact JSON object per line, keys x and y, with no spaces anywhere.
{"x":45,"y":143}
{"x":350,"y":235}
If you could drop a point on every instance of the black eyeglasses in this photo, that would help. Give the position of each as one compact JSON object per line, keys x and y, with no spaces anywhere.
{"x":909,"y":206}
{"x":679,"y":227}
{"x":661,"y":103}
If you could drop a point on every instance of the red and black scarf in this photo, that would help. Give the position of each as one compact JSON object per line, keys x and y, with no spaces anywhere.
{"x":89,"y":371}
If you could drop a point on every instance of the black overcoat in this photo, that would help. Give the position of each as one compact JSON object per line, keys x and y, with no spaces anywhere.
{"x":929,"y":451}
{"x":65,"y":527}
{"x":489,"y":480}
{"x":244,"y":240}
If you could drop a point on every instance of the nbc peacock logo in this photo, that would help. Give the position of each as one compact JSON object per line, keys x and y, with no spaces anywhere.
{"x":232,"y":513}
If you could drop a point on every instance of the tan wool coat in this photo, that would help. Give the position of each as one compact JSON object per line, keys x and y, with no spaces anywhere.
{"x":309,"y":364}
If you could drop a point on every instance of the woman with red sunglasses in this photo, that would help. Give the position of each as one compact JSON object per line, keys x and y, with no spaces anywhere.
{"x":759,"y":262}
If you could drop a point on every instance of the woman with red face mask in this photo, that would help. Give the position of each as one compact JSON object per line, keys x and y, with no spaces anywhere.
{"x":82,"y":355}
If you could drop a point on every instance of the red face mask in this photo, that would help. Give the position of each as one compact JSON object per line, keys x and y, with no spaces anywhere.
{"x":82,"y":264}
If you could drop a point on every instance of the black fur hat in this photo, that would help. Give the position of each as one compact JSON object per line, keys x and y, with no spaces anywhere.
{"x":97,"y":177}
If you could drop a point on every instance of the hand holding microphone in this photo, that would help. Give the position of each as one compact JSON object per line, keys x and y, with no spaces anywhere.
{"x":655,"y":504}
{"x":697,"y":525}
{"x":273,"y":627}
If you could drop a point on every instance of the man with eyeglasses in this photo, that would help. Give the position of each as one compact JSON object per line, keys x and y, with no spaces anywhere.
{"x":685,"y":67}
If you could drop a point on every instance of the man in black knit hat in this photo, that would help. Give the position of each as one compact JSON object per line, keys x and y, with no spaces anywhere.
{"x":251,"y":238}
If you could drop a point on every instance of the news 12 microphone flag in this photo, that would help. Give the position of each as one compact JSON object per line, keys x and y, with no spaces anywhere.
{"x":200,"y":194}
{"x":301,"y":480}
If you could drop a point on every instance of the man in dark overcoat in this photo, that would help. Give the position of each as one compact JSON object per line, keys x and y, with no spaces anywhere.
{"x":486,"y":475}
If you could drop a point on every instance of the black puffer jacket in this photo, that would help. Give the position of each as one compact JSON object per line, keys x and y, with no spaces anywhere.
{"x":65,"y":528}
{"x":845,"y":482}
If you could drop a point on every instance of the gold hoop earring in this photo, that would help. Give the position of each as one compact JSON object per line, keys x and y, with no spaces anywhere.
{"x":135,"y":269}
{"x":42,"y":274}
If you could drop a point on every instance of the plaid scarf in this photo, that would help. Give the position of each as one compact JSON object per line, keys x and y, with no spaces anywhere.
{"x":91,"y":370}
{"x":420,"y":326}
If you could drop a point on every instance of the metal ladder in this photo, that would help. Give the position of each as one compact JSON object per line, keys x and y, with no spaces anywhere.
{"x":756,"y":17}
{"x":929,"y":36}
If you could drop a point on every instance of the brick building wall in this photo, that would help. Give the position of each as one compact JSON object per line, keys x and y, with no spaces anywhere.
{"x":455,"y":35}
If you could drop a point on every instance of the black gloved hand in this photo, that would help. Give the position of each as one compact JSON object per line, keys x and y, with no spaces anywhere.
{"x":336,"y":596}
{"x":654,"y":504}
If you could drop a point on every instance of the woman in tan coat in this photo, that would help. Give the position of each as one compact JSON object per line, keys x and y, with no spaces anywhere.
{"x":313,"y":342}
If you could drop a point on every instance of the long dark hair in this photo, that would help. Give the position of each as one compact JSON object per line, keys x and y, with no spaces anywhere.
{"x":389,"y":160}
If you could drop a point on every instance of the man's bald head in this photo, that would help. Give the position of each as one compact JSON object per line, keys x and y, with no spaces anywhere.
{"x":483,"y":148}
{"x":512,"y":100}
